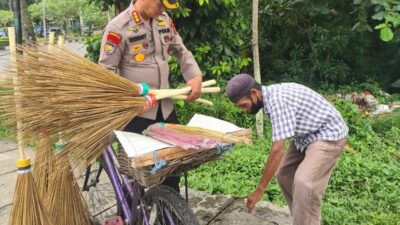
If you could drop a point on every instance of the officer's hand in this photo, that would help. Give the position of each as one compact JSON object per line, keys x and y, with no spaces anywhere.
{"x":195,"y":83}
{"x":253,"y":199}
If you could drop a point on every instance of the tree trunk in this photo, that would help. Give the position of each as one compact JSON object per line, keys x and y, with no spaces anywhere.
{"x":81,"y":24}
{"x":27,"y":25}
{"x":256,"y":63}
{"x":109,"y":18}
{"x":117,"y":7}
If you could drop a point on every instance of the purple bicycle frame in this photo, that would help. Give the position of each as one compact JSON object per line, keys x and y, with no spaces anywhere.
{"x":112,"y":173}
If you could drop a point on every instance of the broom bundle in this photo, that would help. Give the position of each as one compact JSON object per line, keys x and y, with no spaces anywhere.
{"x":60,"y":91}
{"x":198,"y":131}
{"x":44,"y":165}
{"x":28,"y":208}
{"x":64,"y":200}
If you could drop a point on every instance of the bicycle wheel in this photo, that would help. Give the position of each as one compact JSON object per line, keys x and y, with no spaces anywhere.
{"x":164,"y":206}
{"x":98,"y":193}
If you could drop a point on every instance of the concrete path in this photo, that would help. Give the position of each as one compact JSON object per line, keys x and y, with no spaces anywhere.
{"x":209,"y":209}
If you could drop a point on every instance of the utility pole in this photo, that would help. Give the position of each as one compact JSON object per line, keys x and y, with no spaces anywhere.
{"x":44,"y":18}
{"x":17,"y":21}
{"x":256,"y":63}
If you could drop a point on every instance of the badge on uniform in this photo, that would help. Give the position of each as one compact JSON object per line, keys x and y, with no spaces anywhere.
{"x":134,"y":28}
{"x":172,"y":25}
{"x":139,"y":57}
{"x":160,"y":21}
{"x":109,"y":48}
{"x":168,"y":38}
{"x":113,"y":40}
{"x":136,"y":17}
{"x":136,"y":47}
{"x":145,"y":45}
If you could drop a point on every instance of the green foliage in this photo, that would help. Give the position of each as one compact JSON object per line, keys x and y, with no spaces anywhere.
{"x":364,"y":188}
{"x":3,"y":41}
{"x":5,"y":132}
{"x":222,"y":109}
{"x":220,"y":39}
{"x":63,"y":11}
{"x":385,"y":122}
{"x":93,"y":45}
{"x":387,"y":11}
{"x":6,"y":17}
{"x":323,"y":43}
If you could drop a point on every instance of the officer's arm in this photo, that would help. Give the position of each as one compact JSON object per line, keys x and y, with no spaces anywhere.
{"x":112,"y":48}
{"x":189,"y":67}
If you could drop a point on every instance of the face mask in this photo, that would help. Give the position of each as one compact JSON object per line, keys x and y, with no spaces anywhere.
{"x":256,"y":106}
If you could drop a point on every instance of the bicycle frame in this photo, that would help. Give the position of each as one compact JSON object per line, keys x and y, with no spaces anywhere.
{"x":112,"y":173}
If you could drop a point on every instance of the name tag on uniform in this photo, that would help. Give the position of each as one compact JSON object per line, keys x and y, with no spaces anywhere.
{"x":137,"y":38}
{"x":164,"y":31}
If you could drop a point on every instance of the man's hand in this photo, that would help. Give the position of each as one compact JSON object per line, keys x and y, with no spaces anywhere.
{"x":195,"y":83}
{"x":253,"y":199}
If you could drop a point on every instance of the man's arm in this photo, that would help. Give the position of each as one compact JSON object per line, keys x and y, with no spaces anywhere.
{"x":271,"y":166}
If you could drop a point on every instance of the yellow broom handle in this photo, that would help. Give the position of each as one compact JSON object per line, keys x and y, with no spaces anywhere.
{"x":13,"y":51}
{"x":51,"y":38}
{"x":60,"y":42}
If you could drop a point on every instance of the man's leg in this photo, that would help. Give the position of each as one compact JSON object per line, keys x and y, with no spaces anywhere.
{"x":286,"y":171}
{"x":311,"y":180}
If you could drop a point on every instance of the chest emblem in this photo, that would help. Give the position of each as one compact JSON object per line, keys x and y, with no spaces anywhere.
{"x":136,"y":47}
{"x":139,"y":57}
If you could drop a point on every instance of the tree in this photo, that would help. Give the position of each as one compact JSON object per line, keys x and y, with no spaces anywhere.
{"x":27,"y":24}
{"x":256,"y":63}
{"x":6,"y":17}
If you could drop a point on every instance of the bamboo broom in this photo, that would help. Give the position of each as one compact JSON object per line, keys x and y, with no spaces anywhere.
{"x":27,"y":207}
{"x":62,"y":91}
{"x":43,"y":167}
{"x":209,"y":133}
{"x":65,"y":202}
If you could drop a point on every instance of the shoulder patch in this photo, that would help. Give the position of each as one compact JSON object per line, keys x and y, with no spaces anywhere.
{"x":172,"y":25}
{"x":113,"y":38}
{"x":136,"y":17}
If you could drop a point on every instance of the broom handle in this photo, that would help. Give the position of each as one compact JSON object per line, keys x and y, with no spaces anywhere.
{"x":13,"y":51}
{"x":60,"y":42}
{"x":199,"y":100}
{"x":203,"y":90}
{"x":51,"y":38}
{"x":181,"y":91}
{"x":208,"y":83}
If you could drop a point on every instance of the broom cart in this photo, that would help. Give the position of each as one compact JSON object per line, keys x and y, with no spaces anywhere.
{"x":134,"y":182}
{"x":127,"y":190}
{"x":70,"y":100}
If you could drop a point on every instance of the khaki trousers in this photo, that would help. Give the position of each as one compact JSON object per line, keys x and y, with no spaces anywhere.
{"x":303,"y":178}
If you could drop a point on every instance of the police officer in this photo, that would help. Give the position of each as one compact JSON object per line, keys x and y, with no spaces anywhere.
{"x":137,"y":44}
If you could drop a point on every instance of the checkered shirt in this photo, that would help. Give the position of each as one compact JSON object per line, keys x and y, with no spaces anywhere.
{"x":297,"y":111}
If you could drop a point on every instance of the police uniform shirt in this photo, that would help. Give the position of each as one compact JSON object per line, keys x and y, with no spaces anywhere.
{"x":139,"y":50}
